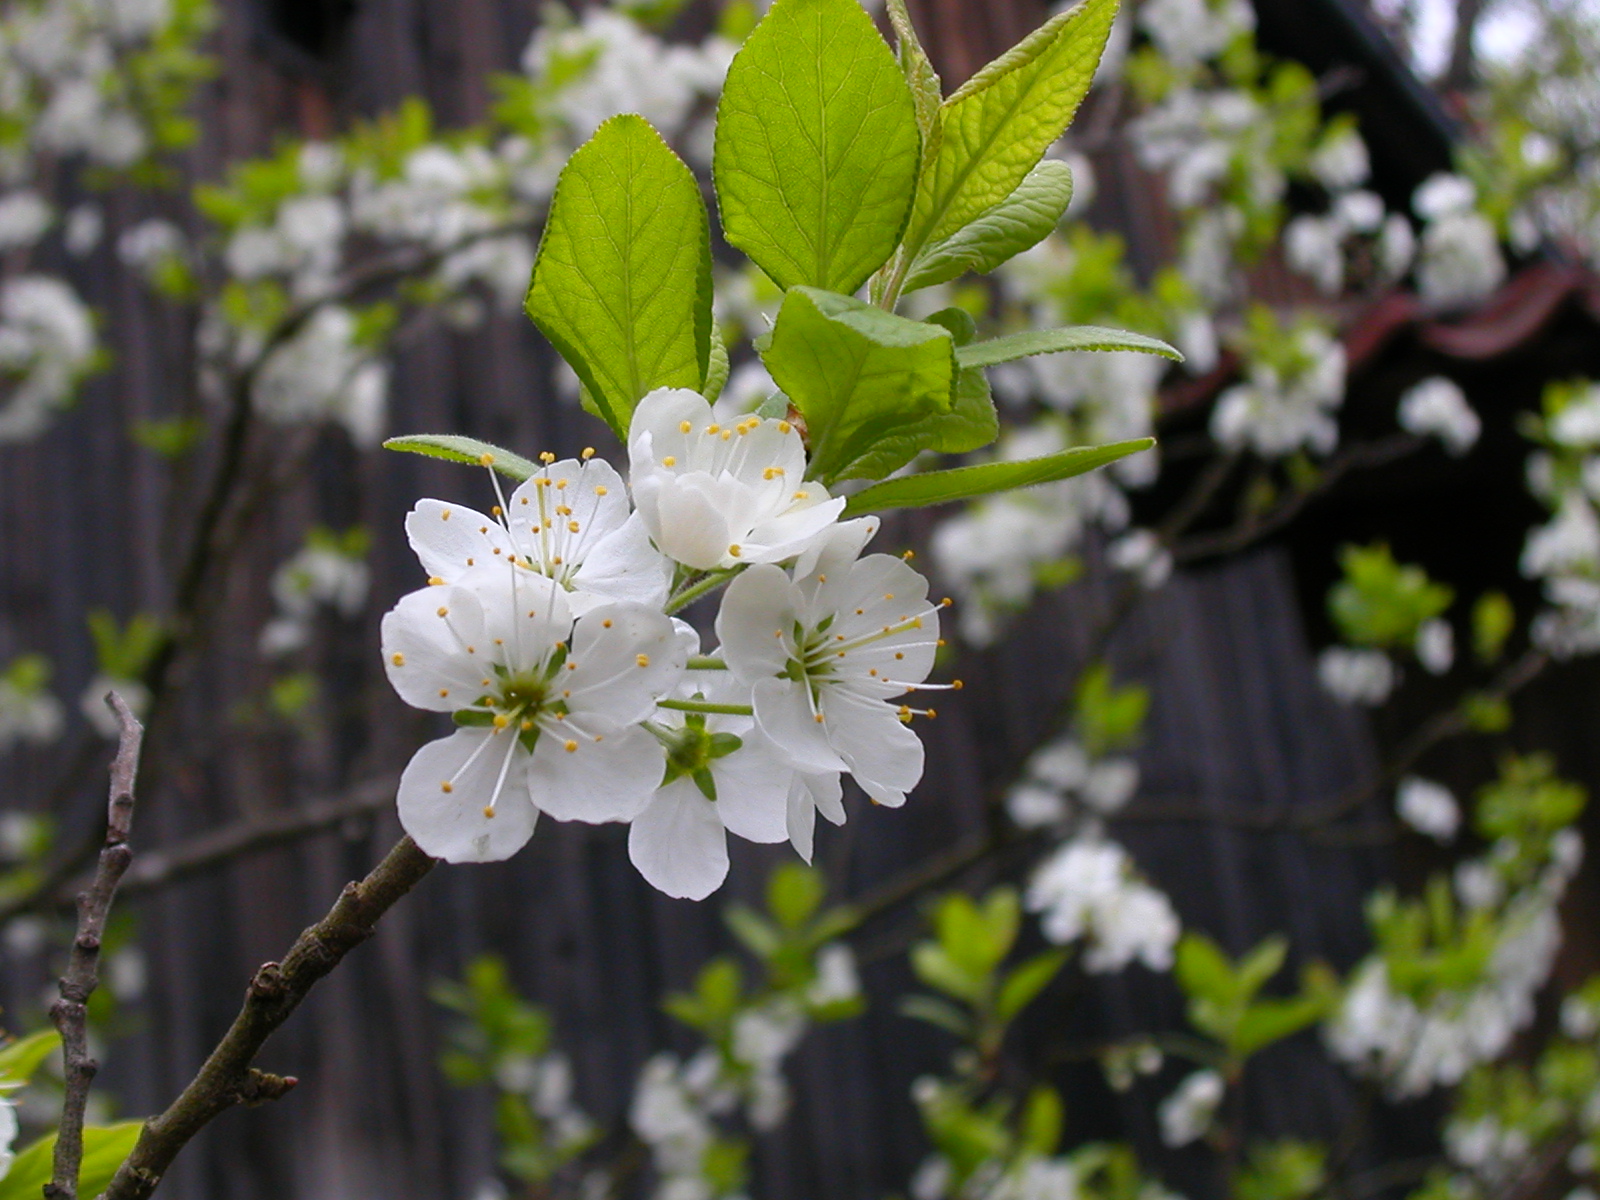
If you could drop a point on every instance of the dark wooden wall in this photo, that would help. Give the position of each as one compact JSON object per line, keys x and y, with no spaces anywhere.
{"x":1238,"y":722}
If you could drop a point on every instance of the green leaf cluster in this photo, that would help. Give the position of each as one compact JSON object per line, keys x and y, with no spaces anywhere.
{"x":1108,"y":718}
{"x":1225,"y":1001}
{"x":1381,"y":603}
{"x":123,"y":651}
{"x":963,"y":962}
{"x":786,"y":938}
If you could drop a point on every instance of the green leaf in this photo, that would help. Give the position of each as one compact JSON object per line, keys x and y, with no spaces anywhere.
{"x":622,"y":283}
{"x":759,"y":935}
{"x":858,"y":375}
{"x":104,"y":1148}
{"x":464,"y":450}
{"x":1056,"y":341}
{"x":1043,"y":1117}
{"x":1261,"y":964}
{"x":1203,"y":970}
{"x":1027,"y":981}
{"x":937,"y":1012}
{"x":1020,"y":221}
{"x":1003,"y":119}
{"x":927,"y":93}
{"x":816,"y":149}
{"x":21,"y":1058}
{"x":1268,"y":1021}
{"x":717,"y":370}
{"x":937,"y":969}
{"x":794,"y":893}
{"x":963,"y":483}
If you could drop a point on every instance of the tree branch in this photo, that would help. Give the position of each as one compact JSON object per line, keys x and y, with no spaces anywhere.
{"x":70,"y":1013}
{"x":228,"y":1077}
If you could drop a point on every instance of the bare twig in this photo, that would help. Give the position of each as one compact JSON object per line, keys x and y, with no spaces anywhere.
{"x":217,"y":847}
{"x":70,"y":1013}
{"x":228,"y":1077}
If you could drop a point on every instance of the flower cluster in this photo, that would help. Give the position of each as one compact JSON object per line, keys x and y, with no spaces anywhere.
{"x":1088,"y":889}
{"x":28,"y":712}
{"x":329,"y":570}
{"x":546,"y":631}
{"x":1564,"y":553}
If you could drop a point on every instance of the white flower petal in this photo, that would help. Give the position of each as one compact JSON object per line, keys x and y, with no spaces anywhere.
{"x":425,"y":652}
{"x":623,"y":566}
{"x":678,"y":844}
{"x":452,"y":825}
{"x":756,"y":606}
{"x":783,"y":711}
{"x":800,"y":817}
{"x":884,"y":755}
{"x":611,"y":779}
{"x":624,"y":657}
{"x":837,"y":548}
{"x":449,"y":537}
{"x":753,"y":791}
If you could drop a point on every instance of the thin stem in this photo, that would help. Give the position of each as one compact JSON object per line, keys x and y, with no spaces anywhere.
{"x":228,"y":1077}
{"x":702,"y":706}
{"x":693,"y":591}
{"x":706,"y":662}
{"x":70,"y":1013}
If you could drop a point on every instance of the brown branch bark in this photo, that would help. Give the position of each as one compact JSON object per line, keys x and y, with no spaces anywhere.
{"x":70,"y":1013}
{"x":228,"y":1076}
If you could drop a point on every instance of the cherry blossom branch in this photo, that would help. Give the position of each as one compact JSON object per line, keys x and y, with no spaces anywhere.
{"x":70,"y":1013}
{"x":228,"y":1077}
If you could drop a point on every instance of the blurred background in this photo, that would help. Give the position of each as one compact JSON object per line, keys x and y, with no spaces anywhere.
{"x":1333,"y":207}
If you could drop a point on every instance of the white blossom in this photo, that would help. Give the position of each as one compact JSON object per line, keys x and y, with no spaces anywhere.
{"x":825,"y":655}
{"x":1187,"y":1113}
{"x":1141,"y":553}
{"x":1435,"y":646}
{"x":1274,"y":414}
{"x":46,"y":346}
{"x":1363,"y":677}
{"x":714,"y":496}
{"x":1087,"y":889}
{"x":1437,"y":407}
{"x":568,"y":522}
{"x":1188,"y":32}
{"x":1443,"y":195}
{"x":1459,"y":260}
{"x":1429,"y":808}
{"x":1569,"y":542}
{"x":1341,"y":162}
{"x":549,"y":708}
{"x":320,"y":573}
{"x":84,"y":226}
{"x":322,"y":373}
{"x":28,"y":712}
{"x":1314,"y":246}
{"x":8,"y":1135}
{"x":24,"y":217}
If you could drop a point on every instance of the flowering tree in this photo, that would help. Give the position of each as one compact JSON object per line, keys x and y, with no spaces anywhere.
{"x":707,"y":645}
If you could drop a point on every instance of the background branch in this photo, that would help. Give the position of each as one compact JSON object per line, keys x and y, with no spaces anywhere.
{"x":228,"y":1077}
{"x":70,"y":1013}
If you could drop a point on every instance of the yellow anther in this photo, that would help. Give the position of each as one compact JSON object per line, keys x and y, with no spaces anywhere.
{"x":398,"y":660}
{"x":873,"y":672}
{"x":546,"y":457}
{"x":588,"y":453}
{"x":445,"y":515}
{"x":561,"y":485}
{"x":524,"y":499}
{"x":501,"y":720}
{"x":556,"y":561}
{"x":888,"y":595}
{"x":784,"y":427}
{"x":956,"y":685}
{"x":734,"y":550}
{"x":684,"y":426}
{"x":931,"y":713}
{"x":940,"y":642}
{"x":801,"y":496}
{"x":713,"y":428}
{"x":572,"y":527}
{"x":495,"y":512}
{"x":822,"y":579}
{"x":817,"y":718}
{"x":643,"y":660}
{"x":488,"y":812}
{"x":898,"y":654}
{"x":908,"y":555}
{"x":726,"y":434}
{"x":527,"y":724}
{"x":861,"y":612}
{"x":435,"y":581}
{"x":443,"y":611}
{"x":606,"y":622}
{"x":472,"y":649}
{"x":563,"y":511}
{"x":447,"y":786}
{"x":443,"y":692}
{"x":542,"y":481}
{"x":570,"y":747}
{"x":841,"y":654}
{"x":486,"y":460}
{"x":904,"y":714}
{"x":572,"y":666}
{"x":772,"y":472}
{"x":497,"y":552}
{"x":669,"y":461}
{"x":600,"y":491}
{"x":469,"y":563}
{"x":946,"y":602}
